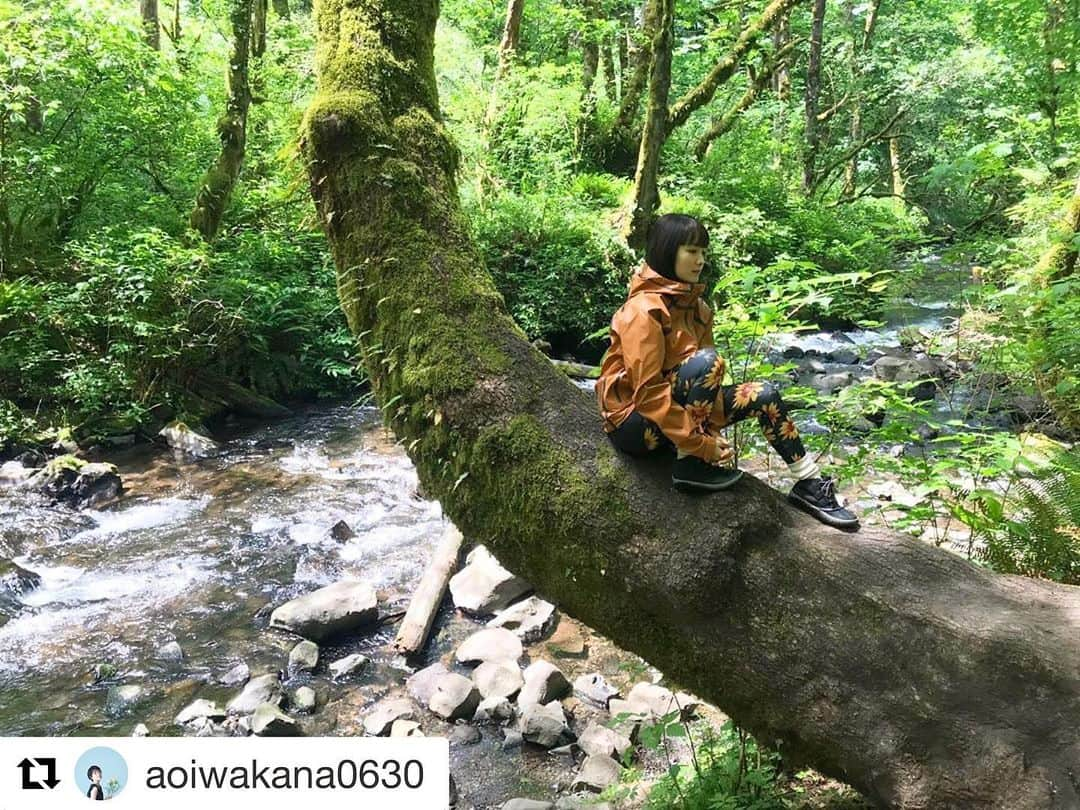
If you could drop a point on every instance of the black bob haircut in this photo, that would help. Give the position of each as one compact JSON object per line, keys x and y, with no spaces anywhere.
{"x":90,"y":771}
{"x":666,"y":235}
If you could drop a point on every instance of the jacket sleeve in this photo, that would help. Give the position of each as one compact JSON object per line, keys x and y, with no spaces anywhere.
{"x":706,"y":314}
{"x":643,"y":354}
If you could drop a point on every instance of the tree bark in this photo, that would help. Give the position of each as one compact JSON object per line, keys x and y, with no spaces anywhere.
{"x":859,"y":48}
{"x":258,"y":28}
{"x":919,"y":678}
{"x":813,"y":89}
{"x":646,"y":192}
{"x":219,"y":181}
{"x":151,"y":27}
{"x":511,"y":35}
{"x":899,"y":188}
{"x":1060,"y":260}
{"x":281,"y":8}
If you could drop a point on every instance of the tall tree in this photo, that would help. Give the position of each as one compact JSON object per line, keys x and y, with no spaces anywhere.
{"x":218,"y":183}
{"x":859,"y":48}
{"x":258,"y":27}
{"x":511,"y":35}
{"x":813,"y":91}
{"x":151,"y":26}
{"x":922,"y":680}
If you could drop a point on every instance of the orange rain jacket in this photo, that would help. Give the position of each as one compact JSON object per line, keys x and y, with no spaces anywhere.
{"x":662,"y":323}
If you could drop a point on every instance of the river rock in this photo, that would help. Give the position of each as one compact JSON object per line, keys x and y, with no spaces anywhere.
{"x":269,"y":721}
{"x":339,"y":608}
{"x":845,"y":357}
{"x":464,"y":735}
{"x":833,"y":382}
{"x":500,"y":679}
{"x":578,"y":803}
{"x":454,"y":697}
{"x":593,"y":689}
{"x":659,"y":701}
{"x":385,"y":714}
{"x":530,"y":618}
{"x":526,"y":804}
{"x":814,"y":366}
{"x":200,"y":708}
{"x":494,"y":710}
{"x":793,"y":352}
{"x":259,"y":690}
{"x":72,"y":481}
{"x":140,"y":730}
{"x":237,"y":676}
{"x":303,"y":658}
{"x":483,"y":586}
{"x":349,"y":665}
{"x":490,"y":644}
{"x":598,"y":740}
{"x":16,"y":580}
{"x":303,"y":700}
{"x":544,"y":682}
{"x":14,"y":473}
{"x":181,"y":437}
{"x":597,"y":773}
{"x":421,"y":684}
{"x":545,"y":724}
{"x":511,"y":739}
{"x":342,"y":531}
{"x":405,"y":728}
{"x":122,"y":699}
{"x":170,"y":652}
{"x":903,"y":369}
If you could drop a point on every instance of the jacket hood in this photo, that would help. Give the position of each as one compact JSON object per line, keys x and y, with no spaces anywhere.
{"x":647,"y":280}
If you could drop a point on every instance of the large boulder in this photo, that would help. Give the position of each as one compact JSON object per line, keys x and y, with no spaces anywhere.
{"x":530,"y":618}
{"x":15,"y":580}
{"x":77,"y":483}
{"x":421,"y":684}
{"x":182,"y":438}
{"x":545,"y":725}
{"x":379,"y":722}
{"x":483,"y":586}
{"x":544,"y":682}
{"x":269,"y":721}
{"x":597,"y":773}
{"x":598,"y":740}
{"x":340,"y":608}
{"x":500,"y":679}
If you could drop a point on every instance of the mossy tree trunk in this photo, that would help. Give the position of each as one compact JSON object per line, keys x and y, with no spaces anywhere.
{"x":812,"y":133}
{"x":151,"y":26}
{"x":217,"y":185}
{"x":858,"y":50}
{"x":917,"y":677}
{"x":258,"y":27}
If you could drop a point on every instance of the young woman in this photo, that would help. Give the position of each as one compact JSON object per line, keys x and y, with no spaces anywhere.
{"x":662,"y":382}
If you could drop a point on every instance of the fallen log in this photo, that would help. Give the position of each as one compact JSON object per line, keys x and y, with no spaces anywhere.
{"x":413,"y":633}
{"x":917,"y":677}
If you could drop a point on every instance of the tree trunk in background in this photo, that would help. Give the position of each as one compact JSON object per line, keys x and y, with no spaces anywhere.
{"x":281,"y":8}
{"x":646,"y":193}
{"x":639,"y":61}
{"x":813,"y":90}
{"x":899,"y":189}
{"x":858,"y":50}
{"x":151,"y":26}
{"x":1060,"y":260}
{"x":511,"y":35}
{"x":919,"y":678}
{"x":781,"y":87}
{"x":219,"y":181}
{"x":258,"y":28}
{"x":176,"y":22}
{"x":1050,"y":102}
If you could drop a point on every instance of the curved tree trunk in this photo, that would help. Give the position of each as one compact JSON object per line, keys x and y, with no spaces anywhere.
{"x":919,"y":678}
{"x":219,"y":181}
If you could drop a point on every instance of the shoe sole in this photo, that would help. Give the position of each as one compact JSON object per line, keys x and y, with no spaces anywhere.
{"x":821,"y":514}
{"x":683,"y":484}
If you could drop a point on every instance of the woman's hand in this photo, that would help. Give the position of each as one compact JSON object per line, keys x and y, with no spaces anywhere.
{"x":722,"y":454}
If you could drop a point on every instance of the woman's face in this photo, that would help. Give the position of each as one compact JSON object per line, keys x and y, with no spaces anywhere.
{"x":689,"y":262}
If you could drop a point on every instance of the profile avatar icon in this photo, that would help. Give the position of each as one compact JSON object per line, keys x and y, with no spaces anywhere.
{"x":100,"y":774}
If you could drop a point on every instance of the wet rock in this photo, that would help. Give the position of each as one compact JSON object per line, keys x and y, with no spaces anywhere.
{"x":545,"y":725}
{"x":494,"y":710}
{"x":845,"y":357}
{"x":181,"y":437}
{"x":598,"y":740}
{"x":454,"y":697}
{"x":927,"y":432}
{"x":385,"y":714}
{"x":903,"y":369}
{"x":597,"y":773}
{"x":140,"y":730}
{"x":530,"y":619}
{"x":259,"y":690}
{"x":576,"y":803}
{"x":77,"y":483}
{"x":421,"y":685}
{"x":490,"y":644}
{"x":33,"y":459}
{"x":815,"y":367}
{"x":349,"y":665}
{"x":464,"y":735}
{"x":199,"y":709}
{"x":483,"y":586}
{"x":544,"y":682}
{"x":511,"y":739}
{"x":793,"y":353}
{"x":303,"y":700}
{"x":405,"y":728}
{"x":16,"y":580}
{"x":237,"y":676}
{"x":122,"y":699}
{"x":593,"y":689}
{"x":833,"y":382}
{"x":342,"y":531}
{"x":14,"y":473}
{"x":269,"y":721}
{"x":304,"y":657}
{"x":861,"y":425}
{"x":526,"y":804}
{"x":339,"y":608}
{"x":812,"y":427}
{"x":170,"y":652}
{"x":499,"y":679}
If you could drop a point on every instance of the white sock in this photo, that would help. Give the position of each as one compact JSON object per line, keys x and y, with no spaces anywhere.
{"x":680,"y":454}
{"x":805,"y":468}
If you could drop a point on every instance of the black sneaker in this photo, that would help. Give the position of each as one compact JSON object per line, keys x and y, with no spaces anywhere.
{"x":818,"y":497}
{"x":690,"y":472}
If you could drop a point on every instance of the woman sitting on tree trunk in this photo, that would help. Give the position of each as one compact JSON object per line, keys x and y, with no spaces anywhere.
{"x":662,"y":382}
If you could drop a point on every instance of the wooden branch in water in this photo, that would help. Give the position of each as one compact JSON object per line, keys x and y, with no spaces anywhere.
{"x":416,"y":625}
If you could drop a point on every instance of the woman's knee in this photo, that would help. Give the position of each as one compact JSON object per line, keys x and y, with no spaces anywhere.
{"x":769,"y":394}
{"x":697,"y":365}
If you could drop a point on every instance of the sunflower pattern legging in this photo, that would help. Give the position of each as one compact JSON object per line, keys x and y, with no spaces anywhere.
{"x":697,"y":385}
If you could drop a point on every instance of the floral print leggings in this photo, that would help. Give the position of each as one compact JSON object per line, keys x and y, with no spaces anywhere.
{"x":697,"y":385}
